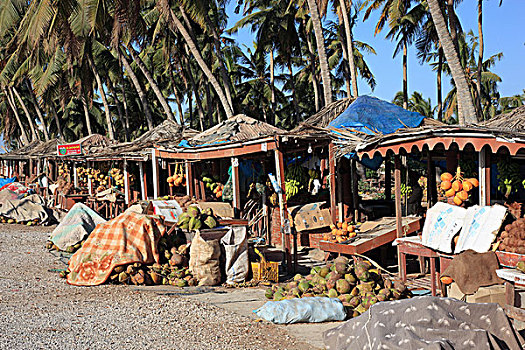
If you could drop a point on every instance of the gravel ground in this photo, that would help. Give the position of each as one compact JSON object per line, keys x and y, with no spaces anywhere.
{"x":39,"y":310}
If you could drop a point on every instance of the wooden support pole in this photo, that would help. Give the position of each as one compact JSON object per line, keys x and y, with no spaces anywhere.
{"x":355,"y":190}
{"x":339,"y":186}
{"x":388,"y":179}
{"x":236,"y":188}
{"x":155,"y":167}
{"x":190,"y":182}
{"x":484,"y":177}
{"x":285,"y":223}
{"x":126,"y":183}
{"x":331,"y":179}
{"x":399,"y":214}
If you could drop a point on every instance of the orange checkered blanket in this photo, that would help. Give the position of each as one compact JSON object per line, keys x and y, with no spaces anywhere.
{"x":127,"y":239}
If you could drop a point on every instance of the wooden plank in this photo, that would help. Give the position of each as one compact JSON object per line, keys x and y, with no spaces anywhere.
{"x":397,"y":180}
{"x":236,"y":187}
{"x":155,"y":167}
{"x":331,"y":180}
{"x":219,"y":153}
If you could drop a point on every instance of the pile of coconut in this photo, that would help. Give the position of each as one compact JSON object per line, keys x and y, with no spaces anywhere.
{"x":358,"y":285}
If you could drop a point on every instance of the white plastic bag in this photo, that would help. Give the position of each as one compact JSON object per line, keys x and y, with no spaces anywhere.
{"x":316,"y":309}
{"x":235,"y":244}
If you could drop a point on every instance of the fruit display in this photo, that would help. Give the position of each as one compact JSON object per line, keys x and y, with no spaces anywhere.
{"x":296,"y":178}
{"x":194,"y":219}
{"x":457,"y":187}
{"x":101,"y":180}
{"x":358,"y":286}
{"x":509,"y":176}
{"x":179,"y":178}
{"x":213,"y":185}
{"x":172,"y":268}
{"x":5,"y":220}
{"x":512,"y":239}
{"x":63,"y":170}
{"x":340,"y":233}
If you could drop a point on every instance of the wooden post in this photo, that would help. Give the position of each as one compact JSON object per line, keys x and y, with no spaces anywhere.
{"x":236,"y":187}
{"x":355,"y":191}
{"x":484,"y":177}
{"x":126,"y":183}
{"x":331,"y":179}
{"x":399,"y":214}
{"x":142,"y":181}
{"x":189,"y":187}
{"x":388,"y":179}
{"x":75,"y":175}
{"x":285,"y":224}
{"x":155,"y":167}
{"x":339,"y":187}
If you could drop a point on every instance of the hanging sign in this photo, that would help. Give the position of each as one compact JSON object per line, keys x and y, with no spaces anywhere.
{"x":69,"y":149}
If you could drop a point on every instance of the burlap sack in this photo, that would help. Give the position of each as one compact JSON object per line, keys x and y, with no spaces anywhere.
{"x":204,"y":260}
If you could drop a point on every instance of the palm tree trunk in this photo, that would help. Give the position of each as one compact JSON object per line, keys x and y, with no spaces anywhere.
{"x":466,"y":111}
{"x":111,"y":89}
{"x":176,"y":93}
{"x":405,"y":76}
{"x":166,"y":9}
{"x":294,"y":99}
{"x":163,"y":102}
{"x":439,"y":93}
{"x":346,"y":67}
{"x":57,"y":120}
{"x":37,"y":109}
{"x":86,"y":113}
{"x":272,"y":84}
{"x":350,"y":46}
{"x":321,"y":51}
{"x":124,"y":98}
{"x":11,"y":103}
{"x":315,"y":82}
{"x":142,"y":95}
{"x":190,"y":107}
{"x":480,"y":56}
{"x":452,"y":22}
{"x":222,"y":67}
{"x":109,"y":121}
{"x":198,"y":100}
{"x":26,"y":111}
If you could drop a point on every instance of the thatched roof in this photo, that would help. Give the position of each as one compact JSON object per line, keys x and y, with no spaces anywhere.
{"x":511,"y":121}
{"x":239,"y":128}
{"x":322,"y":118}
{"x":166,"y":134}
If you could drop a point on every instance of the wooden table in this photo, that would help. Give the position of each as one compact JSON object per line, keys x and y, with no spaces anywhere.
{"x":69,"y":200}
{"x":383,"y":233}
{"x":515,"y":281}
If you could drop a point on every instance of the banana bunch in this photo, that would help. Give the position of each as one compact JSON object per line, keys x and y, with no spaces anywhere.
{"x":313,"y":175}
{"x":509,"y":176}
{"x":292,"y":188}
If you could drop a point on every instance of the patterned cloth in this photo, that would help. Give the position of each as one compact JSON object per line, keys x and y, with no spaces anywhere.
{"x":128,"y":238}
{"x":78,"y":223}
{"x":428,"y":323}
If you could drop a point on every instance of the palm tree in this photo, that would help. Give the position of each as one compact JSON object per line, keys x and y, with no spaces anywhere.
{"x":416,"y":103}
{"x":321,"y":51}
{"x":347,"y":24}
{"x":466,"y":110}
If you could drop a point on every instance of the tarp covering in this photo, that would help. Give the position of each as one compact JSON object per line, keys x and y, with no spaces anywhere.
{"x":6,"y":181}
{"x":78,"y":223}
{"x":126,"y":239}
{"x":371,"y":116}
{"x":428,"y":323}
{"x":17,"y":204}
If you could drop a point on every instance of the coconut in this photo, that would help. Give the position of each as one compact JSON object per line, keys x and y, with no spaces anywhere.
{"x":384,"y":291}
{"x":396,"y":295}
{"x":308,"y":295}
{"x":365,"y":287}
{"x":387,"y":283}
{"x":355,"y":291}
{"x":343,"y":286}
{"x":362,"y":275}
{"x":324,"y":271}
{"x":303,"y":286}
{"x":381,"y":297}
{"x":332,"y":293}
{"x":330,"y":284}
{"x":315,"y":270}
{"x":521,"y":266}
{"x":297,"y":277}
{"x":309,"y":277}
{"x":342,"y":259}
{"x":400,"y":286}
{"x":155,"y":277}
{"x":350,"y":278}
{"x":340,"y":268}
{"x":333,"y":276}
{"x":318,"y":289}
{"x":294,"y":291}
{"x":278,"y":296}
{"x":176,"y":259}
{"x":360,"y":309}
{"x":345,"y":298}
{"x":355,"y":301}
{"x":193,"y":211}
{"x":291,"y":285}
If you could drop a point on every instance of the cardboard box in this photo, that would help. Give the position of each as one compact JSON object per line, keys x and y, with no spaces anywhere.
{"x":170,"y":209}
{"x":491,"y":294}
{"x":222,"y":209}
{"x":310,"y":216}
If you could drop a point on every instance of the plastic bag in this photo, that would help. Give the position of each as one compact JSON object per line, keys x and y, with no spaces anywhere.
{"x":204,"y":260}
{"x":235,"y":244}
{"x":313,"y":310}
{"x":227,"y":191}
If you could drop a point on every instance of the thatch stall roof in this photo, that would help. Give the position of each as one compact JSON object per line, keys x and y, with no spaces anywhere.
{"x":511,"y":121}
{"x":429,"y":137}
{"x":239,"y":128}
{"x":21,"y":153}
{"x":167,"y":134}
{"x":314,"y":125}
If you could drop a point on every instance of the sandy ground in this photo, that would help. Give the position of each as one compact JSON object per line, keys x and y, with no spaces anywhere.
{"x":38,"y":310}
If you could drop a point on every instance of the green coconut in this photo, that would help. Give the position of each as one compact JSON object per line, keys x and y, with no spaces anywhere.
{"x":355,"y":301}
{"x":365,"y":287}
{"x":315,"y":270}
{"x":324,"y":271}
{"x":340,"y":268}
{"x":303,"y":286}
{"x":342,"y":259}
{"x":362,"y":275}
{"x":381,"y":297}
{"x":308,"y":295}
{"x":297,"y":277}
{"x":345,"y":298}
{"x":193,"y":211}
{"x":309,"y":277}
{"x":291,"y":285}
{"x":210,"y":222}
{"x":278,"y":296}
{"x":332,"y":293}
{"x":343,"y":286}
{"x":330,"y":284}
{"x":521,"y":266}
{"x":360,"y":309}
{"x":350,"y":278}
{"x":268,"y":293}
{"x":385,"y":292}
{"x":334,"y":276}
{"x":396,"y":295}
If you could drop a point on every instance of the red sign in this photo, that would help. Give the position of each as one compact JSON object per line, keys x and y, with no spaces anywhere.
{"x":69,"y":149}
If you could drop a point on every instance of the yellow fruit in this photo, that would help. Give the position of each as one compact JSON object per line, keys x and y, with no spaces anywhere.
{"x":457,"y":200}
{"x":446,"y":177}
{"x":463,"y":195}
{"x":446,"y":185}
{"x":450,"y":193}
{"x":457,"y":186}
{"x":467,"y":185}
{"x":474,"y":182}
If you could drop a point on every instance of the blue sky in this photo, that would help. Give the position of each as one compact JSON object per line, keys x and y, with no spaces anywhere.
{"x":504,"y":31}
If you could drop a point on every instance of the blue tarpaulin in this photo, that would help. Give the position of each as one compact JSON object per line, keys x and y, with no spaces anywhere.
{"x":6,"y":181}
{"x":371,"y":115}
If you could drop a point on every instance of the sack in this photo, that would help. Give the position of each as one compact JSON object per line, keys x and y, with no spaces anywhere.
{"x":204,"y":260}
{"x":235,"y":244}
{"x":316,"y":309}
